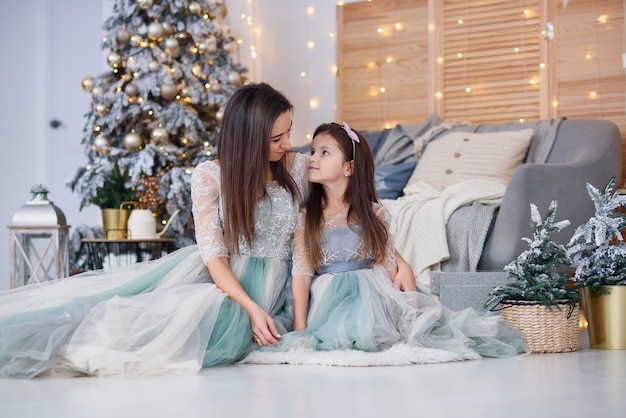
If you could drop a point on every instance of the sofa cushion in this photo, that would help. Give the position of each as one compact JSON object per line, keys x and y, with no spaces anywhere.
{"x":459,"y":156}
{"x":390,"y":179}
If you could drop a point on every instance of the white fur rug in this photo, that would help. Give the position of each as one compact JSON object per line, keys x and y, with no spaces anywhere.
{"x":398,"y":355}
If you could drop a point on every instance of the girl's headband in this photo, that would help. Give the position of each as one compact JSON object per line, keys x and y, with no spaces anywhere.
{"x":353,"y":136}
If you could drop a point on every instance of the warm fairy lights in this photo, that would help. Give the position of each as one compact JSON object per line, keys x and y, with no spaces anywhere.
{"x":385,"y":31}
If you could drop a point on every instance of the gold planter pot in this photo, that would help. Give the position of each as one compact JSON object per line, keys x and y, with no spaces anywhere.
{"x":115,"y":223}
{"x":606,"y":315}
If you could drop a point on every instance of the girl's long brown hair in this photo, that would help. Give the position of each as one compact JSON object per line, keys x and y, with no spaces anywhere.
{"x":243,"y":151}
{"x":359,"y":195}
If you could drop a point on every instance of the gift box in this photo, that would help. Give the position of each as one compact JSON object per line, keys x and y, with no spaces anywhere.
{"x":460,"y":290}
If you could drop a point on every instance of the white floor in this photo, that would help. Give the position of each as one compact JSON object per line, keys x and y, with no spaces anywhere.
{"x":586,"y":383}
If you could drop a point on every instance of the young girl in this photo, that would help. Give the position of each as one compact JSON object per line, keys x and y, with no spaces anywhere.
{"x":344,"y":267}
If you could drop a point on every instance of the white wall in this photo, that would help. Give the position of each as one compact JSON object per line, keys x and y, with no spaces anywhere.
{"x":280,"y":32}
{"x":33,"y":153}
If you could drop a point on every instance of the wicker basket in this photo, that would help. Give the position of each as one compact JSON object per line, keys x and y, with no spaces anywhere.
{"x":546,"y":331}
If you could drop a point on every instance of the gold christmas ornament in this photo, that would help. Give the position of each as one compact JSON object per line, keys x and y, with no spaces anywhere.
{"x":219,"y":115}
{"x":159,"y":136}
{"x":196,"y":70}
{"x":167,"y":28}
{"x":115,"y":60}
{"x":153,"y":66}
{"x":132,"y":141}
{"x":155,"y":31}
{"x":144,"y":4}
{"x":169,"y":91}
{"x":101,"y":142}
{"x":195,"y":8}
{"x":97,"y":91}
{"x":135,"y":40}
{"x":223,"y":9}
{"x":87,"y":83}
{"x":122,"y":36}
{"x":216,"y":87}
{"x":232,"y":47}
{"x":235,"y":79}
{"x":131,"y":89}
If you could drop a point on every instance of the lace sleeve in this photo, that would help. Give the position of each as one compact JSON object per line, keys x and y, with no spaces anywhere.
{"x":299,"y":173}
{"x":205,"y":194}
{"x":301,"y":263}
{"x":384,"y":215}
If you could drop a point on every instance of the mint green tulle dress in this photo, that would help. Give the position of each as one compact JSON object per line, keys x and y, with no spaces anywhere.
{"x":160,"y":317}
{"x":355,"y":309}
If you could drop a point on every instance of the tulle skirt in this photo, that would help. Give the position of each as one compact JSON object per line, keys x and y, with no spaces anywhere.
{"x":362,"y":310}
{"x":163,"y":316}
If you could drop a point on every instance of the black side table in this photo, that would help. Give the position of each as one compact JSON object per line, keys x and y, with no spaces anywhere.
{"x":119,"y":252}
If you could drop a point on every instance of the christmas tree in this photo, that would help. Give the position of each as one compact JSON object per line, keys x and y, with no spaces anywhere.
{"x":156,"y":113}
{"x":537,"y":274}
{"x":597,"y":249}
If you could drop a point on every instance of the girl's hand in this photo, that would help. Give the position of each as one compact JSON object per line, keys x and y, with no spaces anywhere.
{"x":404,"y":279}
{"x":264,"y":330}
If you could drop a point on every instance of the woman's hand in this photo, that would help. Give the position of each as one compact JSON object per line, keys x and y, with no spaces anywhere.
{"x":264,"y":330}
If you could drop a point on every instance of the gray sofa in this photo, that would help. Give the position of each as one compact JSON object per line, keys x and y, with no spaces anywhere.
{"x":578,"y":152}
{"x":584,"y":151}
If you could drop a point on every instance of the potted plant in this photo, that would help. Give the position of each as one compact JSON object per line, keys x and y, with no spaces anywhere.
{"x":110,"y":198}
{"x":598,"y":253}
{"x":540,"y":298}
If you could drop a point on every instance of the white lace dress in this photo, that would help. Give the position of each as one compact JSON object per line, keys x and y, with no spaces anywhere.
{"x":163,"y":316}
{"x":355,"y":307}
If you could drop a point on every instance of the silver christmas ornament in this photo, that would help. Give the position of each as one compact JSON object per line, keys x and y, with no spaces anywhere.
{"x":115,"y":60}
{"x":135,"y":40}
{"x":122,"y":36}
{"x":155,"y":31}
{"x":153,"y":66}
{"x":131,"y":89}
{"x":100,"y":109}
{"x":159,"y":136}
{"x":132,"y":141}
{"x":97,"y":91}
{"x":169,"y":91}
{"x":144,"y":4}
{"x":101,"y":142}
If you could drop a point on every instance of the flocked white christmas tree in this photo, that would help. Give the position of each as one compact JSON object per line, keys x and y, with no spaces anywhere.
{"x":157,"y":111}
{"x":539,"y":274}
{"x":597,"y":248}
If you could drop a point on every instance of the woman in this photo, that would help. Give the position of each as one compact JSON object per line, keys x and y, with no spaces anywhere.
{"x":199,"y":306}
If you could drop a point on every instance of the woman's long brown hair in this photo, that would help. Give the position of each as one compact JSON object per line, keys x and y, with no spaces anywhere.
{"x":243,"y":151}
{"x":359,"y":195}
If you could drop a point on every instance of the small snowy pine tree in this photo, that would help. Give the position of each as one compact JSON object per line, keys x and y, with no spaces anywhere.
{"x":538,"y":273}
{"x":597,"y":248}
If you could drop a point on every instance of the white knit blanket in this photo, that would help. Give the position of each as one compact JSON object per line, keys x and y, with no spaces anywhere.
{"x":421,"y":215}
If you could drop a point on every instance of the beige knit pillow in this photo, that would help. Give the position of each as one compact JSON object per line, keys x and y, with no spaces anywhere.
{"x":460,"y":156}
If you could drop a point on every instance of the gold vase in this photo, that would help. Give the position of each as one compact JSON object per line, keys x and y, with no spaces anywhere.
{"x":606,"y":315}
{"x":115,"y":223}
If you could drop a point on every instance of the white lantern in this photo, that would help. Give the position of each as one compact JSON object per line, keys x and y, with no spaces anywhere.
{"x":39,"y":241}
